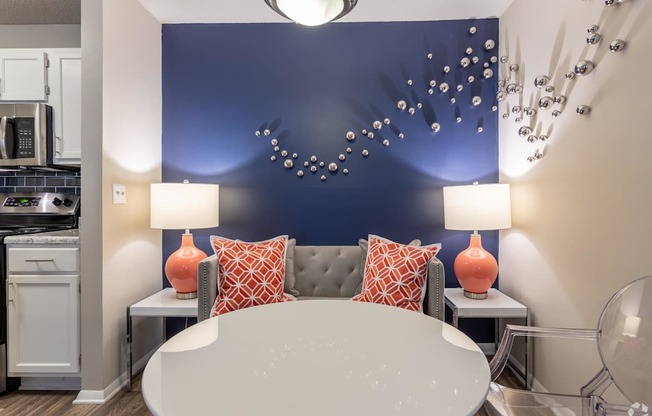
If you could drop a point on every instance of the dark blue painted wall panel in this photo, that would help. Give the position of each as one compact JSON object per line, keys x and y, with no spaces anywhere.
{"x":310,"y":86}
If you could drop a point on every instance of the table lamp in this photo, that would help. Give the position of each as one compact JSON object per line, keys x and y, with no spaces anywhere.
{"x":184,"y":206}
{"x":476,"y":207}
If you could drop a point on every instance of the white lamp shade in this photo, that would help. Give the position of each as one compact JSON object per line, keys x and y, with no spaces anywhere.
{"x":311,"y":12}
{"x":178,"y":206}
{"x":477,"y":207}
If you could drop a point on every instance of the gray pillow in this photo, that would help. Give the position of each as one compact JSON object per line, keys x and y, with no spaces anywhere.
{"x":364,"y":245}
{"x":290,"y":278}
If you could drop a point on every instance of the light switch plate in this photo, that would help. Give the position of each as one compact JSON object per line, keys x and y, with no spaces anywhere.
{"x":119,"y":193}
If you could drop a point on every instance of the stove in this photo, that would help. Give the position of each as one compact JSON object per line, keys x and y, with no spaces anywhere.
{"x":28,"y":213}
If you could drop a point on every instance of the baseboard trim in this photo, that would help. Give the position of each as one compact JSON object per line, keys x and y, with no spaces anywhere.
{"x":50,"y":383}
{"x":103,"y":396}
{"x":538,"y":387}
{"x":516,"y":364}
{"x":518,"y":368}
{"x":98,"y":396}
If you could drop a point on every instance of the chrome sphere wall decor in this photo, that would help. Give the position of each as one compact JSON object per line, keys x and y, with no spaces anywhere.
{"x":617,"y":45}
{"x":453,"y":82}
{"x":549,"y":102}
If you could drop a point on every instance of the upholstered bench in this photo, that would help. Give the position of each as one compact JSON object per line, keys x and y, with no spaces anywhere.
{"x":322,"y":272}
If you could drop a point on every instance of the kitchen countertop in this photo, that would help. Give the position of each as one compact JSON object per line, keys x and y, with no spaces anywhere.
{"x":52,"y":237}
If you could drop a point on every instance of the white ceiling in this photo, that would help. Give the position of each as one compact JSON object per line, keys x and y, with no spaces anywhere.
{"x":256,"y":11}
{"x":252,"y":11}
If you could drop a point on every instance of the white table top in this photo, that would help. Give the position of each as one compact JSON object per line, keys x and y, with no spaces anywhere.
{"x":164,"y":303}
{"x":497,"y":305}
{"x":318,"y":358}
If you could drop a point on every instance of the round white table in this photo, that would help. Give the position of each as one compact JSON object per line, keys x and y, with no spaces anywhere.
{"x":318,"y":358}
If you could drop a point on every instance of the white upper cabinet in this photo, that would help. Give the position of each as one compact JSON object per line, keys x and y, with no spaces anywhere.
{"x":23,"y":76}
{"x":65,"y":99}
{"x":51,"y":76}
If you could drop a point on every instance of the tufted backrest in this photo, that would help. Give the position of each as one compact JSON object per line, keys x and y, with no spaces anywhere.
{"x":323,"y":272}
{"x":327,"y":271}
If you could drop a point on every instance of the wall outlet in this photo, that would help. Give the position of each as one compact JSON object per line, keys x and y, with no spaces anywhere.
{"x":119,"y":193}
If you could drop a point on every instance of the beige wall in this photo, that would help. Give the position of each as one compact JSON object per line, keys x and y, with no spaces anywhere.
{"x":91,"y":218}
{"x":40,"y":36}
{"x":132,"y":156}
{"x":582,"y":213}
{"x":122,"y":144}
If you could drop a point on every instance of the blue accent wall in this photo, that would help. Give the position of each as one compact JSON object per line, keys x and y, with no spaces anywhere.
{"x":309,"y":86}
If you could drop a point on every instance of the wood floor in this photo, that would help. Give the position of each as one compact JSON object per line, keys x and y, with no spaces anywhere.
{"x":124,"y":403}
{"x":54,"y":403}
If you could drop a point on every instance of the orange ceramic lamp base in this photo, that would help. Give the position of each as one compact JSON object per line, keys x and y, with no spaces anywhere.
{"x":476,"y":269}
{"x":181,"y":268}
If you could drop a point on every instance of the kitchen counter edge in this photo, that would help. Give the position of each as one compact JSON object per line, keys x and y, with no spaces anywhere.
{"x":51,"y":237}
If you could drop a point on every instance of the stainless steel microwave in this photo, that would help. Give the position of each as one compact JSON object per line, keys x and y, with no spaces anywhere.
{"x":27,"y":137}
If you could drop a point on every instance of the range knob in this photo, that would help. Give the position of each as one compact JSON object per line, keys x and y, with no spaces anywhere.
{"x":67,"y":202}
{"x":56,"y":201}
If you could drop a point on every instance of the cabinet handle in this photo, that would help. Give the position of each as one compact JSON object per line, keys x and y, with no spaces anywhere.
{"x":3,"y":137}
{"x":10,"y":293}
{"x":39,"y":261}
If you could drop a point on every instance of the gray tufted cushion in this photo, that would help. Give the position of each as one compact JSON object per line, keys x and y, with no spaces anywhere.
{"x":327,"y":271}
{"x":290,"y":279}
{"x":322,"y":279}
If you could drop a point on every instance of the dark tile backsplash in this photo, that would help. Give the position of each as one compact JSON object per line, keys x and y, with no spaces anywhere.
{"x":40,"y":181}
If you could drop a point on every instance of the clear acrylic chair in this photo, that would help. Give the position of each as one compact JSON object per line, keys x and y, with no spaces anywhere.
{"x":624,"y":340}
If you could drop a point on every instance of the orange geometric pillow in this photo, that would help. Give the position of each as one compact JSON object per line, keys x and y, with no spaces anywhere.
{"x":250,"y":274}
{"x":395,"y":274}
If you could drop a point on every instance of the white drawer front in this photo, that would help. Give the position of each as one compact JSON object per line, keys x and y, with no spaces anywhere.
{"x":36,"y":260}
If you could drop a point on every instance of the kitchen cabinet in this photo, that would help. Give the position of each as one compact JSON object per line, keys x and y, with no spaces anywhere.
{"x":23,"y":75}
{"x":52,"y":76}
{"x":65,"y":99}
{"x":43,"y":319}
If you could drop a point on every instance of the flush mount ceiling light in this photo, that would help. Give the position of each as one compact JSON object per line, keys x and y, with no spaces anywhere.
{"x":312,"y":12}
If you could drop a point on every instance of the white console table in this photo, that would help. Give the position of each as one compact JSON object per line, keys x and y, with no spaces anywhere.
{"x":161,"y":304}
{"x":497,"y":306}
